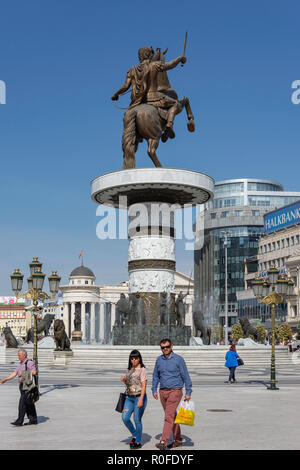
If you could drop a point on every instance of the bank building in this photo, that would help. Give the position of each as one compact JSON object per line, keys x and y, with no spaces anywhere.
{"x":233,"y":225}
{"x":279,"y":246}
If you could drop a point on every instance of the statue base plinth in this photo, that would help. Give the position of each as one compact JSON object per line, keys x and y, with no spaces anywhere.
{"x":76,"y":336}
{"x":150,"y":335}
{"x":62,"y":358}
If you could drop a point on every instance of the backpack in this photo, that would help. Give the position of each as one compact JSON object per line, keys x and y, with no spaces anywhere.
{"x":32,"y":393}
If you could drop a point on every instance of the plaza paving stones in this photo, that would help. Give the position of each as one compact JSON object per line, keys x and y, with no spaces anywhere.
{"x":76,"y":411}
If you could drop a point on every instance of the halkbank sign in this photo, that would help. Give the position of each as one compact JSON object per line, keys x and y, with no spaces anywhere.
{"x":281,"y":218}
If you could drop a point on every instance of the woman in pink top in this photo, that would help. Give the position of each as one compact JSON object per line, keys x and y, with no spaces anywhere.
{"x":136,"y":400}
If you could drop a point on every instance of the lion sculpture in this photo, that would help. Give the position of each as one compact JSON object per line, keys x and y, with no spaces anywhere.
{"x":60,"y":336}
{"x":43,"y":325}
{"x":11,"y":341}
{"x":248,"y":330}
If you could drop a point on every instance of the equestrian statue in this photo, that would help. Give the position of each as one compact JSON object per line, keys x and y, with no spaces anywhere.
{"x":154,"y":104}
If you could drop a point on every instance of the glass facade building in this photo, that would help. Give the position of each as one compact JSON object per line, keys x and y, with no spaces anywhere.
{"x":235,"y":213}
{"x":260,"y":312}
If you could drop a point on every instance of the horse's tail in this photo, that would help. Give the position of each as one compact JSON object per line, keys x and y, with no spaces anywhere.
{"x":129,"y":138}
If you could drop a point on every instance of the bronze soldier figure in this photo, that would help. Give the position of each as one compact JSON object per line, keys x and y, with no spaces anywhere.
{"x":180,"y":309}
{"x":137,"y":314}
{"x":77,"y":321}
{"x":163,"y":309}
{"x":122,"y":310}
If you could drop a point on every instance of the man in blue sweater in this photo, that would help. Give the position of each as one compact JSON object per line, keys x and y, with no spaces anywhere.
{"x":171,"y":372}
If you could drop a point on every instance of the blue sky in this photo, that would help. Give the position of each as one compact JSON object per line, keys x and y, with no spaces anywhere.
{"x":61,"y":62}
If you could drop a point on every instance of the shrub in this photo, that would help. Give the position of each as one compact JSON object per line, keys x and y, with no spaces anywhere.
{"x":285,"y":332}
{"x":262,"y":332}
{"x":236,"y":332}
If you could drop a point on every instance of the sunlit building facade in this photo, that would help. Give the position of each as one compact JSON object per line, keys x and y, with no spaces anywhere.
{"x":236,"y":212}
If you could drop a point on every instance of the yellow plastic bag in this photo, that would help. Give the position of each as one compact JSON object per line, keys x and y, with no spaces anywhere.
{"x":186,"y":413}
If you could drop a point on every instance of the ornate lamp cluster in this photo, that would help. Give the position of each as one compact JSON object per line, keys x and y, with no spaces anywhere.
{"x":35,"y":293}
{"x":273,"y":290}
{"x":35,"y":282}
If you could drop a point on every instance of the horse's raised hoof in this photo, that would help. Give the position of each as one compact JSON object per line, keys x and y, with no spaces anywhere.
{"x":191,"y":125}
{"x":164,"y":137}
{"x":170,"y":132}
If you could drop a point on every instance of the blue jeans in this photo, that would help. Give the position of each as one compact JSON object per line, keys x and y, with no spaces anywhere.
{"x":130,"y":406}
{"x":231,"y":374}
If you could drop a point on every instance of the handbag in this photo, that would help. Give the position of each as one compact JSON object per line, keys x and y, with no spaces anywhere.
{"x":121,"y":401}
{"x":32,"y":393}
{"x":240,"y":361}
{"x":32,"y":396}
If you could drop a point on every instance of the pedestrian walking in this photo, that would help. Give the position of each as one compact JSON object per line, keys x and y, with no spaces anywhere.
{"x":136,"y":399}
{"x":24,"y":407}
{"x":232,"y":363}
{"x":171,"y":373}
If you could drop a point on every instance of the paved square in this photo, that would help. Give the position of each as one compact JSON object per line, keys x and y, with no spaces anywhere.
{"x":76,"y":411}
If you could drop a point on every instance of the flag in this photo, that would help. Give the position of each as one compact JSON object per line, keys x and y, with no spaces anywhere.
{"x":81,"y":254}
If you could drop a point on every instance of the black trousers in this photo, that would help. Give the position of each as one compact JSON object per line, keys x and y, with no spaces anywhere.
{"x":25,"y":409}
{"x":231,"y":373}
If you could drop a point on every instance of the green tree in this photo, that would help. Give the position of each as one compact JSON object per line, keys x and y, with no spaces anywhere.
{"x":261,"y":331}
{"x":236,"y":332}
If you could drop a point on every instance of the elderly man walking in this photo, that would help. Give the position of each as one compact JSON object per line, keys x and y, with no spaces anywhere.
{"x":171,"y":372}
{"x":24,"y":408}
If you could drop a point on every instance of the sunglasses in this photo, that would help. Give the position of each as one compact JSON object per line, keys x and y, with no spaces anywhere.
{"x":165,"y":347}
{"x":134,"y":357}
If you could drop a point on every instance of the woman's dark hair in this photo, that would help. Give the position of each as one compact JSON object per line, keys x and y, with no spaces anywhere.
{"x":133,"y":354}
{"x":232,"y":347}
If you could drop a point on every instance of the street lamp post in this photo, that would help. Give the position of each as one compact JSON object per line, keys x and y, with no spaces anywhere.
{"x":273,"y":290}
{"x":35,"y":293}
{"x":226,"y":286}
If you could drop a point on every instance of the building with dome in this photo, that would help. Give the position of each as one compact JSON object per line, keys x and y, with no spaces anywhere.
{"x":82,"y":295}
{"x":97,"y":304}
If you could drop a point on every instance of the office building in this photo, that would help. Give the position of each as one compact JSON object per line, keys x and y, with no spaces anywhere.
{"x":236,"y":212}
{"x":279,"y":246}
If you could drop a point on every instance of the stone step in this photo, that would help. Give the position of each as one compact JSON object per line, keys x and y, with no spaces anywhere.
{"x":116,"y":357}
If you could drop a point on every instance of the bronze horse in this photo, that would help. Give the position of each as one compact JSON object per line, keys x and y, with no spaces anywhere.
{"x":146,"y":121}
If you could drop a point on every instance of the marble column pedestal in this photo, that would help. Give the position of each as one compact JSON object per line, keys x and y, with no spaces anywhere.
{"x":76,"y":337}
{"x":152,"y":196}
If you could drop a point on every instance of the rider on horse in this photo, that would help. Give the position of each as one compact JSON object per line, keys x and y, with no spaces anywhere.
{"x":146,"y":86}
